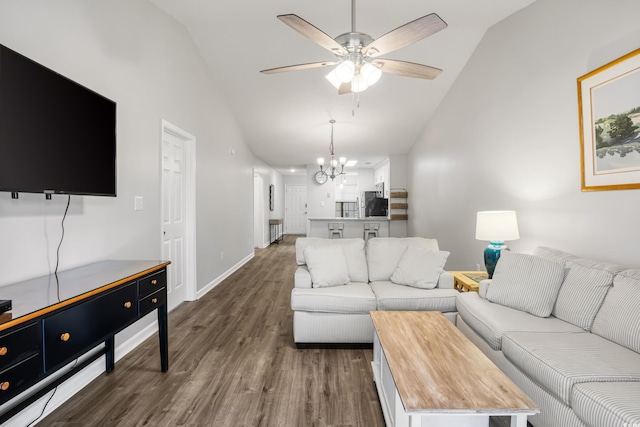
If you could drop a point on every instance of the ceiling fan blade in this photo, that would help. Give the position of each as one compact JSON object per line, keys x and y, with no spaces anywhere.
{"x":344,"y":88}
{"x":313,"y":33}
{"x":407,"y":69}
{"x":298,"y":67}
{"x":405,"y":35}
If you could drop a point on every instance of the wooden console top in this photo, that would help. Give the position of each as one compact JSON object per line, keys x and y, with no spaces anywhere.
{"x":437,"y":369}
{"x":36,"y":297}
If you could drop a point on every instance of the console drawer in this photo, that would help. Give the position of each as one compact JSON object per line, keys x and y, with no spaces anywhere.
{"x":77,"y":329}
{"x":19,"y":377}
{"x":18,"y":344}
{"x":152,"y":302}
{"x":152,"y":283}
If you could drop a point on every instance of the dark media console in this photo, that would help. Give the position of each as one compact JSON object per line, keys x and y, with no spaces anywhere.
{"x":56,"y":320}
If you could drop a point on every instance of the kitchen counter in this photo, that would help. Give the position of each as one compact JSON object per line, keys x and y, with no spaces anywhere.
{"x":352,"y":227}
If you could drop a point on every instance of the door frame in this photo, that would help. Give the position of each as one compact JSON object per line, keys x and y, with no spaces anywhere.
{"x":190,"y":203}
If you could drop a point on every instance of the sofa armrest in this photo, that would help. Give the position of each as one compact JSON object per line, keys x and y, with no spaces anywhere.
{"x":302,"y":278}
{"x":445,"y":281}
{"x":483,"y":287}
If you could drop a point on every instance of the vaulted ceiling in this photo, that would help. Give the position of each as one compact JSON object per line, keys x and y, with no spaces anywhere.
{"x":285,"y":117}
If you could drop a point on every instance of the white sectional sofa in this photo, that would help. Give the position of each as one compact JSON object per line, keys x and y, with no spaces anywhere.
{"x":338,"y":281}
{"x":567,"y":331}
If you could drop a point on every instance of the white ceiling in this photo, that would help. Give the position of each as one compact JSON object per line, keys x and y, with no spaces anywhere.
{"x":285,"y":117}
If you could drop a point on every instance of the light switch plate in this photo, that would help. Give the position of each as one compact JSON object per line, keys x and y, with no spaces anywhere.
{"x":138,"y":203}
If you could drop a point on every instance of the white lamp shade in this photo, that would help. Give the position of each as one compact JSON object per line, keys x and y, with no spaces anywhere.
{"x":333,"y":79}
{"x":320,"y":161}
{"x":497,"y":226}
{"x":371,"y":73}
{"x":343,"y":160}
{"x":358,"y":84}
{"x":345,"y":71}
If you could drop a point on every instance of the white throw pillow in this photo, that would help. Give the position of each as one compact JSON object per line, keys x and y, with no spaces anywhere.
{"x":327,"y":265}
{"x":526,"y":282}
{"x":419,"y":268}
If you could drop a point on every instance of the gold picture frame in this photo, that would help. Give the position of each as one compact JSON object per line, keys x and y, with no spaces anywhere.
{"x":609,"y":114}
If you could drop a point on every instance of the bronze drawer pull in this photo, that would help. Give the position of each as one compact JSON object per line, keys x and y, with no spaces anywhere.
{"x":65,"y":336}
{"x":154,"y":300}
{"x":4,"y":385}
{"x":4,"y":351}
{"x":154,"y":282}
{"x":127,"y":304}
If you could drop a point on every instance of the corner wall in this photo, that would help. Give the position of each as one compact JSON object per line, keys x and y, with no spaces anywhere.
{"x":506,"y":137}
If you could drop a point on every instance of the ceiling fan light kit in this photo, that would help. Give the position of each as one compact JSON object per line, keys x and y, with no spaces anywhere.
{"x":355,"y":69}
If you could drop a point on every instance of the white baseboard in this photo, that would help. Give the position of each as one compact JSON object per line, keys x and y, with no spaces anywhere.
{"x":79,"y":381}
{"x":223,"y":276}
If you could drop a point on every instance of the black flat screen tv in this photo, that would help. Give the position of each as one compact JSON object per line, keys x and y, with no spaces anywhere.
{"x":56,"y":136}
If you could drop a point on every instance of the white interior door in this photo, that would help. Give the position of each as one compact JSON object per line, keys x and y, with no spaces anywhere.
{"x":178,"y":236}
{"x":295,"y":209}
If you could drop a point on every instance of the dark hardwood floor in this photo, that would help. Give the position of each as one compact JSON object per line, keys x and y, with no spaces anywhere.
{"x":232,"y":362}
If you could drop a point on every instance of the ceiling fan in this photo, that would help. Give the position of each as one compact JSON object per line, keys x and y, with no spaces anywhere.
{"x":358,"y":65}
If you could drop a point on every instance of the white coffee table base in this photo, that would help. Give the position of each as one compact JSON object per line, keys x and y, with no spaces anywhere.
{"x":396,"y":416}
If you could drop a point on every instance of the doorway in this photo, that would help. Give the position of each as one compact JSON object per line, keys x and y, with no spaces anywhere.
{"x":178,"y":213}
{"x":258,"y":211}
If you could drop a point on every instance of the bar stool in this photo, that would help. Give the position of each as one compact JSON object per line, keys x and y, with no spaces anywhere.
{"x":371,"y":230}
{"x":335,"y":230}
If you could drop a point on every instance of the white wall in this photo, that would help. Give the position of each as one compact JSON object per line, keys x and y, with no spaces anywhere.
{"x":321,"y":199}
{"x":133,"y":53}
{"x":506,"y":137}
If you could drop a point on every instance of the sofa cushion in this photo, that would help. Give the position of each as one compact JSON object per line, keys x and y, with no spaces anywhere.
{"x":619,"y":318}
{"x":351,"y":298}
{"x":607,"y":404}
{"x":399,"y":297}
{"x":327,"y":266}
{"x":557,"y":361}
{"x":491,"y":321}
{"x":584,"y":287}
{"x":419,"y":268}
{"x":526,"y":282}
{"x":353,"y":251}
{"x":561,"y":257}
{"x":384,"y":254}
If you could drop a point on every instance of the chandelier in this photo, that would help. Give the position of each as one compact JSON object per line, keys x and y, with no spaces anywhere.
{"x":332,"y":169}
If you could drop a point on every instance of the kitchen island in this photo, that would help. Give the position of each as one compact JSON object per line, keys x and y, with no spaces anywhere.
{"x":351,"y":227}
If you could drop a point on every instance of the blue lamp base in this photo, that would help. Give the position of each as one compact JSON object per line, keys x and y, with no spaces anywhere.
{"x":492,"y":254}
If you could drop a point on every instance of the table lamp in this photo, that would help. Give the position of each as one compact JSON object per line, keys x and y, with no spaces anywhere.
{"x":496,"y":227}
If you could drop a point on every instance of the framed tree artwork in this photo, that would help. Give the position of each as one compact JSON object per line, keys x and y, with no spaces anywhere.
{"x":609,"y":112}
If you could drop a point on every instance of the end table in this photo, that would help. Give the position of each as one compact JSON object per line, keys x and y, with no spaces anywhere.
{"x":467,"y":281}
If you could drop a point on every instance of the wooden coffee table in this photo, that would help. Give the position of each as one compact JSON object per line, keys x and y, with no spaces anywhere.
{"x":429,"y":374}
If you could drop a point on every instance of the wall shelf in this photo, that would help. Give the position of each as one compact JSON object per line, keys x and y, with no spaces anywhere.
{"x":398,"y":205}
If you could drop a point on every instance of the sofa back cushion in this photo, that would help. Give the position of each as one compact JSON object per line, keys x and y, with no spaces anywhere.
{"x":420,"y":268}
{"x":384,"y":254}
{"x":585,"y":285}
{"x":353,"y":250}
{"x":619,"y":317}
{"x":552,"y":254}
{"x":327,"y":265}
{"x":526,"y":282}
